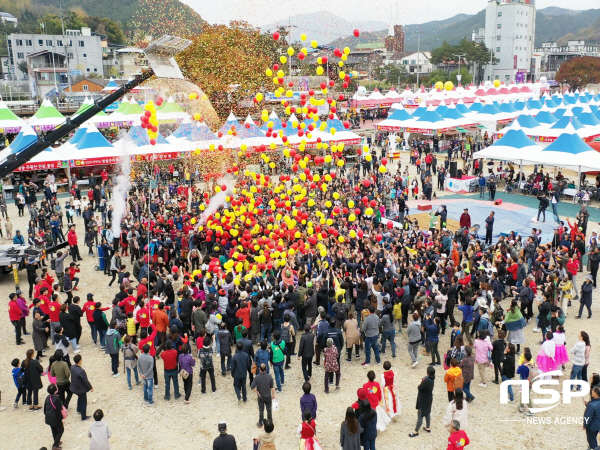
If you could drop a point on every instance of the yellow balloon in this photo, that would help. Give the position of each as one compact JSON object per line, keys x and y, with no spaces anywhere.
{"x":369,"y":211}
{"x":448,"y":85}
{"x":269,"y":73}
{"x":259,"y":97}
{"x":302,"y":37}
{"x":352,"y":234}
{"x":290,"y":51}
{"x":283,"y":59}
{"x":496,"y":83}
{"x":340,"y":162}
{"x":351,"y":204}
{"x":346,"y":50}
{"x":382,"y":169}
{"x":439,"y":85}
{"x":314,"y":44}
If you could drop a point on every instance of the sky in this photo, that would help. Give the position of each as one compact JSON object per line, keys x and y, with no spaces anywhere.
{"x":260,"y":12}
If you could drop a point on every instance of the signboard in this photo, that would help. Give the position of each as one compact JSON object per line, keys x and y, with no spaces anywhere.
{"x":42,"y":166}
{"x":76,"y":73}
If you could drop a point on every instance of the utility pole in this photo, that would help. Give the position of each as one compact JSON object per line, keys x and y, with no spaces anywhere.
{"x":419,"y":33}
{"x":289,"y":27}
{"x":62,"y":23}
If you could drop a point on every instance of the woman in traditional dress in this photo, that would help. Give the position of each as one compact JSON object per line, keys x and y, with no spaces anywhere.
{"x":391,"y":401}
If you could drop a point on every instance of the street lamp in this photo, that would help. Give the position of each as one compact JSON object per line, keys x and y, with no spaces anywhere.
{"x":458,"y":75}
{"x":419,"y":33}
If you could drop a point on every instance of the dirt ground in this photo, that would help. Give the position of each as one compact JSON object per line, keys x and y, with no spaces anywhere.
{"x":135,"y":426}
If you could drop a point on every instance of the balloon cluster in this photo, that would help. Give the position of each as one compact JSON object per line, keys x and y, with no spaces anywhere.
{"x":149,"y":120}
{"x":308,"y":104}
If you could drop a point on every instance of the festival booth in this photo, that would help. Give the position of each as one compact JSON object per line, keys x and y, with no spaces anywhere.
{"x":546,"y":135}
{"x":46,"y":118}
{"x":192,"y":131}
{"x":100,"y":120}
{"x":9,"y":122}
{"x":26,"y":137}
{"x":171,"y":112}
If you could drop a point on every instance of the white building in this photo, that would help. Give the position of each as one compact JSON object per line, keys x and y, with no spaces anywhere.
{"x":82,"y":50}
{"x":510,"y":34}
{"x":413,"y":61}
{"x":124,"y":62}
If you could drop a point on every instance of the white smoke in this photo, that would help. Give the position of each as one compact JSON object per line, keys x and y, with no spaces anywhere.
{"x":121,"y":190}
{"x":217,"y":200}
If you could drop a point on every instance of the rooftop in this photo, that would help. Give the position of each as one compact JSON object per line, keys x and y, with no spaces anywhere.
{"x":370,"y":45}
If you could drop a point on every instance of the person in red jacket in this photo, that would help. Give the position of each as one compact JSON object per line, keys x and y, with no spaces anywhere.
{"x":88,"y":309}
{"x":458,"y":439}
{"x":72,"y":240}
{"x":142,"y":288}
{"x":244,"y":314}
{"x":44,"y":300}
{"x":143,"y":317}
{"x":129,"y":302}
{"x":14,"y":314}
{"x":512,"y":268}
{"x":465,"y":219}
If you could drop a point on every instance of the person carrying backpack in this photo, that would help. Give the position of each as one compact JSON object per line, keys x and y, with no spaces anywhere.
{"x":206,"y":364}
{"x":262,"y":355}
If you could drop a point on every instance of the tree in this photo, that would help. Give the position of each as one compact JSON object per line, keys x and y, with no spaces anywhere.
{"x":466,"y":76}
{"x":106,"y":26}
{"x":22,"y":66}
{"x":229,"y":63}
{"x":579,"y":72}
{"x":438,"y":75}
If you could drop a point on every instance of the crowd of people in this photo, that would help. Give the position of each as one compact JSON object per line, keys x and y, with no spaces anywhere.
{"x":291,"y":272}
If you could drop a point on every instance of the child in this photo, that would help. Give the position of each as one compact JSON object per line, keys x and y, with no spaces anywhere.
{"x":131,"y":328}
{"x":525,"y":371}
{"x":522,"y":358}
{"x":8,"y":227}
{"x":455,"y":332}
{"x":561,"y":353}
{"x":21,"y":390}
{"x":390,"y":395}
{"x":237,"y":331}
{"x":546,"y":359}
{"x":308,"y":400}
{"x":99,"y":431}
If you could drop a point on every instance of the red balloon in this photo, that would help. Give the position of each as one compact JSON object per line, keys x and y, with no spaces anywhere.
{"x":345,"y":84}
{"x":357,"y":211}
{"x":301,"y":56}
{"x":390,"y":225}
{"x":224,"y":187}
{"x":152,"y":141}
{"x":346,"y":124}
{"x":175,"y":269}
{"x":276,"y":35}
{"x":384,"y":161}
{"x":147,"y":113}
{"x":366,"y":183}
{"x":373,"y":203}
{"x":379,"y":237}
{"x":360,"y":233}
{"x":356,"y":33}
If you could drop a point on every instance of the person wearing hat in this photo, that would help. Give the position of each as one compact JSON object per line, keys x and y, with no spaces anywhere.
{"x":465,"y":219}
{"x":586,"y":297}
{"x":224,"y":441}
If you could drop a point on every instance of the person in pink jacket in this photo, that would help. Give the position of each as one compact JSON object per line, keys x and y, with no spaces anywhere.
{"x":482,"y":347}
